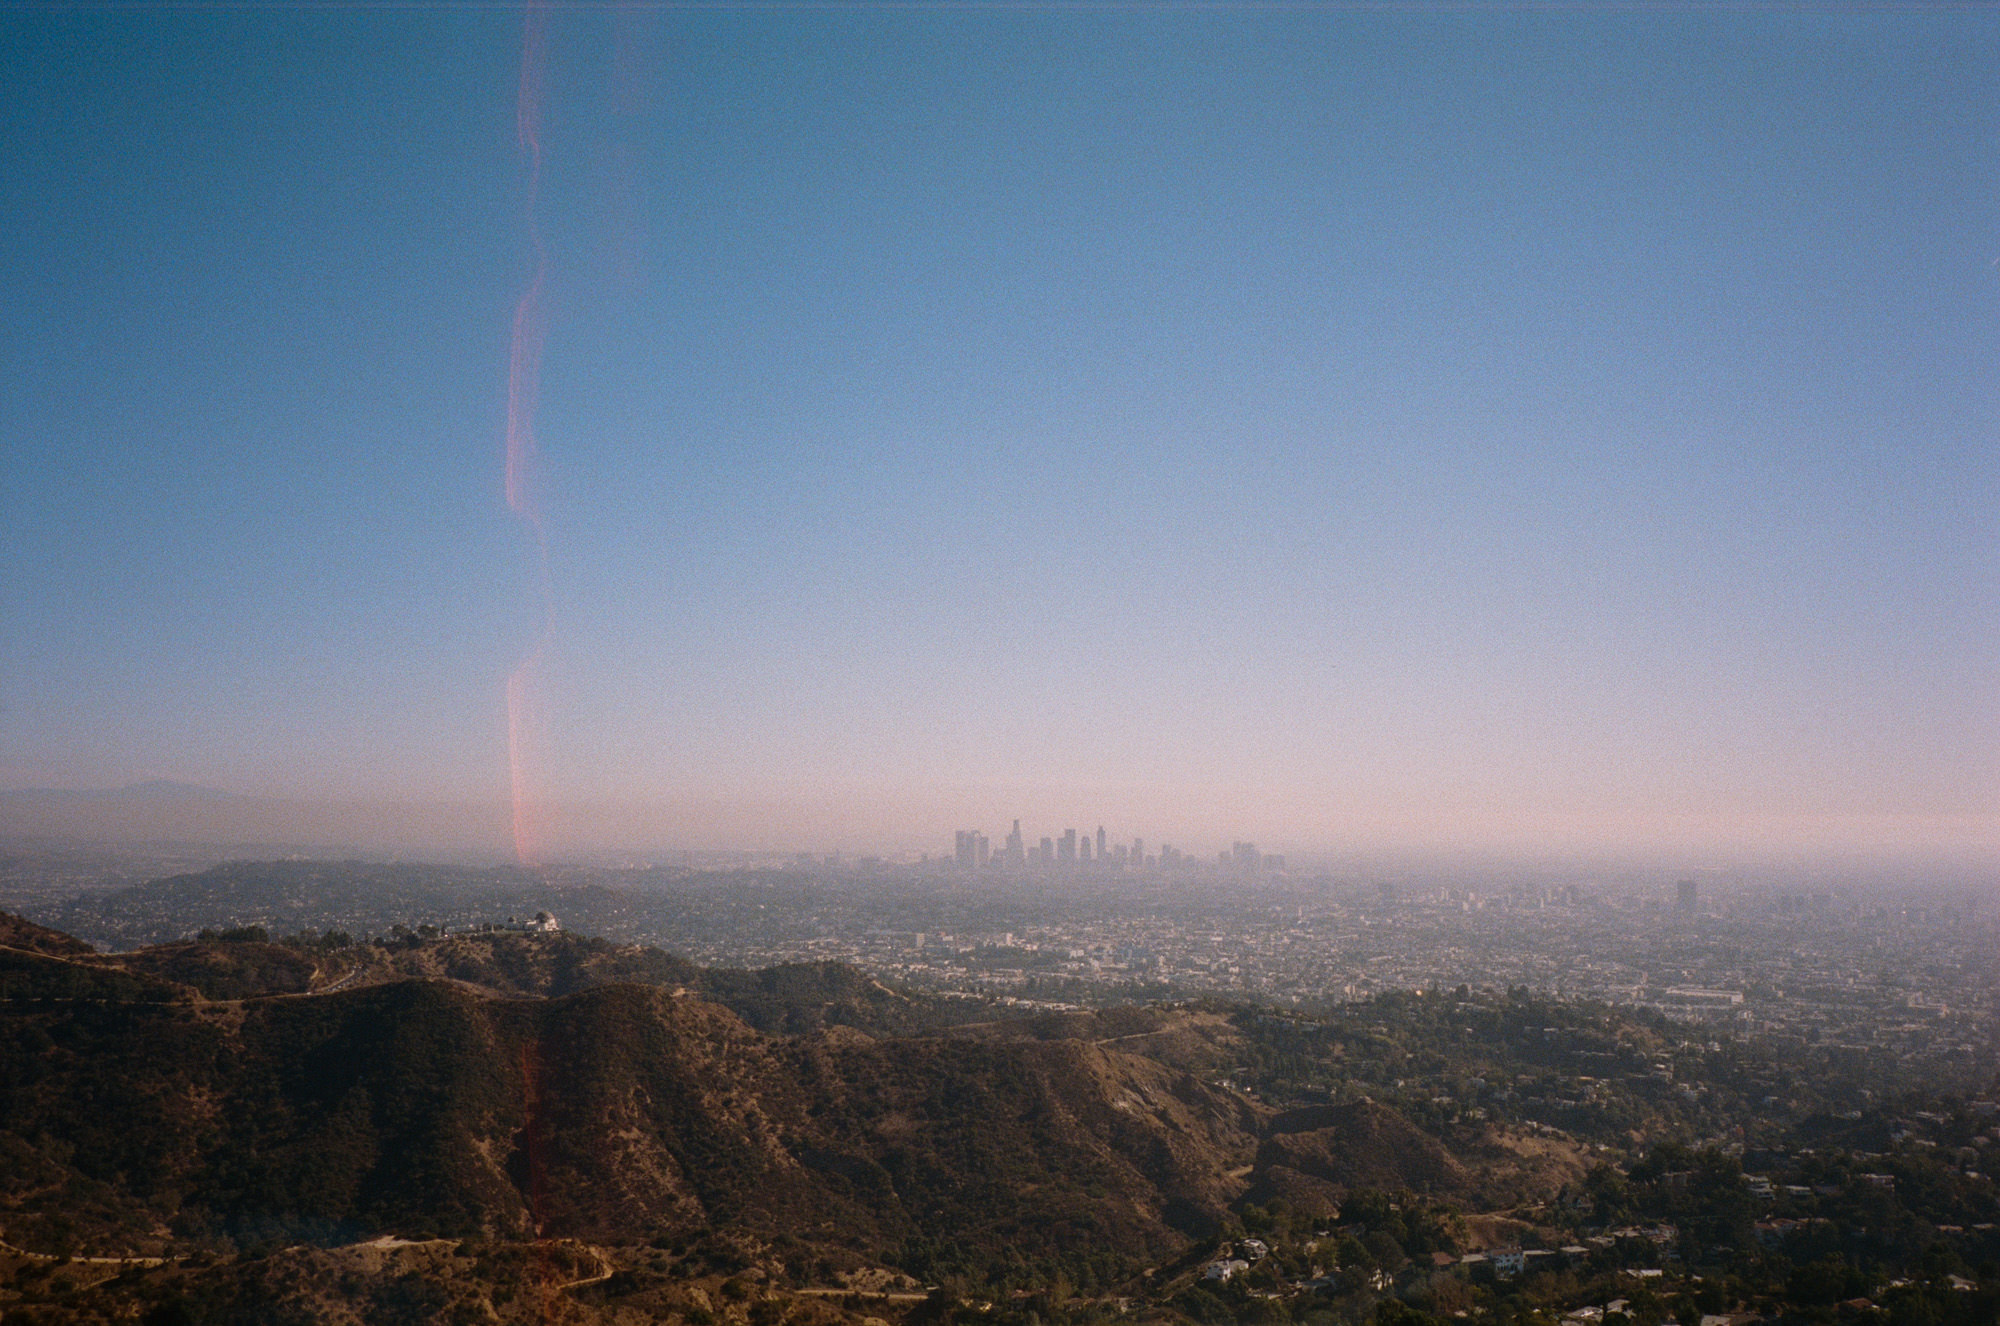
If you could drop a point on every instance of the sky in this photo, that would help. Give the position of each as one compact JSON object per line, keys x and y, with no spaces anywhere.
{"x":1566,"y":427}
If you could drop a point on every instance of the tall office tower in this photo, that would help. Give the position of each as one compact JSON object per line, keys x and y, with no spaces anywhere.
{"x":1687,"y":895}
{"x":1138,"y":857}
{"x":1066,"y":846}
{"x":1245,"y":855}
{"x":964,"y":851}
{"x":1048,"y":854}
{"x":1083,"y":849}
{"x":982,"y":850}
{"x":1016,"y":854}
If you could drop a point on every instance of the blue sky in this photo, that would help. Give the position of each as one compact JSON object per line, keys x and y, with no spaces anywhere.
{"x":1328,"y":426}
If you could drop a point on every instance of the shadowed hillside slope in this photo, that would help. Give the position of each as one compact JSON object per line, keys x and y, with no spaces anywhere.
{"x":1314,"y":1156}
{"x":621,"y":1112}
{"x":235,"y":1093}
{"x":19,"y":932}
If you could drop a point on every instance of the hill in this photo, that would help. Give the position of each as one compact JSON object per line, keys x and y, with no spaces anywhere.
{"x":148,"y":1114}
{"x":1313,"y":1157}
{"x":20,"y":933}
{"x":547,"y":1127}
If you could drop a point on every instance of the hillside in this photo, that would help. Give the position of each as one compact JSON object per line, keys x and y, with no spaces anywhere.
{"x":620,"y":1111}
{"x":1313,"y":1157}
{"x":18,"y":932}
{"x":535,"y":1128}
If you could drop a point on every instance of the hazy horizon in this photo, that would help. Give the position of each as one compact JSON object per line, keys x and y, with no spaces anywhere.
{"x":1562,"y":432}
{"x":231,"y":826}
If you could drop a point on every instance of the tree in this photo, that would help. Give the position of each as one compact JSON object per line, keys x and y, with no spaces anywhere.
{"x":1395,"y":1312}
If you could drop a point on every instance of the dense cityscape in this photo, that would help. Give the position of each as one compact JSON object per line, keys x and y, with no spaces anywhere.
{"x":1533,"y":1096}
{"x":1909,"y":976}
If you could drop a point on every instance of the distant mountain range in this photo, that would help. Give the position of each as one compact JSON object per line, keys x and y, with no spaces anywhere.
{"x":157,"y":789}
{"x":168,"y":812}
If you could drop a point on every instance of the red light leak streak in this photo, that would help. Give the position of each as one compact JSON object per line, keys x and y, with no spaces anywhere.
{"x":534,"y":1182}
{"x":524,"y":376}
{"x":531,"y":1134}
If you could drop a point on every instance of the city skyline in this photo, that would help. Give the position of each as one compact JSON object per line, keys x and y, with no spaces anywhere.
{"x":973,"y":850}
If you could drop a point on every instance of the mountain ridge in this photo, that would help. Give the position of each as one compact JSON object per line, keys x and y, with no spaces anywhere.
{"x":480,"y":1117}
{"x":616,"y":1110}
